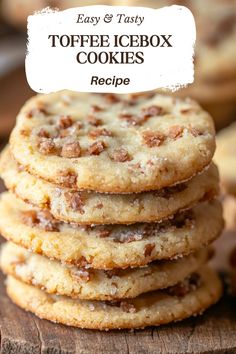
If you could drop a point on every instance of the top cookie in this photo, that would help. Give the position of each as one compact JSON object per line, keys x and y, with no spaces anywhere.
{"x":226,"y":158}
{"x":113,"y":143}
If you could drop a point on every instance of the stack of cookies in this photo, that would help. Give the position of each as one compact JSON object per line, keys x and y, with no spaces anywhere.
{"x":111,"y":209}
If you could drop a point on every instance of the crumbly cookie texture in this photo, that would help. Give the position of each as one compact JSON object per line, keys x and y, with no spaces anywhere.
{"x":100,"y":208}
{"x":225,"y":158}
{"x":56,"y":278}
{"x":113,"y":143}
{"x":109,"y":246}
{"x":191,"y":297}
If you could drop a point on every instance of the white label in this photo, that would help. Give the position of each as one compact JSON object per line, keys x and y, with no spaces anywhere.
{"x":110,"y":49}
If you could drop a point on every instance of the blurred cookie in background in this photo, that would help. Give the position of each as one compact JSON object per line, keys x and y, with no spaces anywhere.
{"x":215,"y":60}
{"x":225,"y":158}
{"x":215,"y":69}
{"x":16,"y":12}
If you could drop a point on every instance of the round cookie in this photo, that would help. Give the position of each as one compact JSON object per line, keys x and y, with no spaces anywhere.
{"x":97,"y":208}
{"x":55,"y":278}
{"x":109,"y":246}
{"x":225,"y":158}
{"x":190,"y":298}
{"x":113,"y":143}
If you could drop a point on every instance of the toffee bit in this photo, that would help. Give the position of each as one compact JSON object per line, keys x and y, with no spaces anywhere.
{"x":182,"y":219}
{"x":99,"y":205}
{"x":186,"y":286}
{"x":194,"y":131}
{"x":111,"y":273}
{"x":75,"y":201}
{"x":120,"y":155}
{"x":29,"y":217}
{"x":123,"y":305}
{"x":80,"y":274}
{"x":127,"y":307}
{"x":129,"y":118}
{"x":47,"y":221}
{"x":148,"y":249}
{"x":129,"y":236}
{"x":47,"y":146}
{"x":42,"y":219}
{"x":175,"y":132}
{"x":103,"y":233}
{"x":43,"y":133}
{"x":132,"y":119}
{"x":95,"y":108}
{"x":82,"y":263}
{"x":71,"y":150}
{"x":19,"y":261}
{"x":25,"y":132}
{"x":111,"y":98}
{"x":100,"y":132}
{"x":96,"y":148}
{"x":168,"y":192}
{"x":65,"y":122}
{"x":37,"y":111}
{"x":141,"y":95}
{"x":67,"y":179}
{"x":94,"y":121}
{"x":152,"y":111}
{"x":153,"y":139}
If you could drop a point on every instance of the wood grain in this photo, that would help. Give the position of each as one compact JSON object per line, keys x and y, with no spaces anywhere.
{"x":214,"y":332}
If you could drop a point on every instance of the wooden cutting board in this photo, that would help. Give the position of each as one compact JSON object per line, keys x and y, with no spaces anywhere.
{"x":214,"y":332}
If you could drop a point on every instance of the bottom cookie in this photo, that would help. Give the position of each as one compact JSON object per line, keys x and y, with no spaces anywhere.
{"x":191,"y":297}
{"x":90,"y":284}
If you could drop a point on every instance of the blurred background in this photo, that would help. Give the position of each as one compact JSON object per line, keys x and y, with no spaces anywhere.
{"x":215,"y":61}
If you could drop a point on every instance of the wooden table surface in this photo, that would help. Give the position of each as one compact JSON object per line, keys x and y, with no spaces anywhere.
{"x":214,"y":332}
